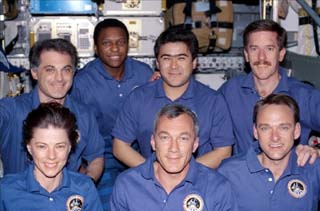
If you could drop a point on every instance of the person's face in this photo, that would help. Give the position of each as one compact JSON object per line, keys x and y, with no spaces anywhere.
{"x":174,"y":142}
{"x":49,"y":148}
{"x":175,"y":64}
{"x":54,"y":76}
{"x":276,"y":131}
{"x":112,"y":48}
{"x":263,"y":54}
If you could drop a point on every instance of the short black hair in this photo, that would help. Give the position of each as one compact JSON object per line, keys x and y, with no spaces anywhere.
{"x":58,"y":45}
{"x":177,"y":34}
{"x":106,"y":23}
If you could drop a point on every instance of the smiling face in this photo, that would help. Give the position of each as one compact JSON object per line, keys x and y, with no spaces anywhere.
{"x":54,"y":75}
{"x":175,"y":64}
{"x":174,"y":142}
{"x":112,"y":48}
{"x":49,"y":148}
{"x":263,"y":54}
{"x":276,"y":131}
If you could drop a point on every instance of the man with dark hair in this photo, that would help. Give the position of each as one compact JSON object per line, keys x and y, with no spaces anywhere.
{"x":267,"y":176}
{"x":104,"y":83}
{"x":264,"y":48}
{"x":53,"y":63}
{"x":176,"y":58}
{"x":171,"y":179}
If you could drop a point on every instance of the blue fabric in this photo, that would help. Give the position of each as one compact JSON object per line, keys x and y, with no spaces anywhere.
{"x":22,"y":192}
{"x":95,"y":87}
{"x":13,"y":111}
{"x":252,"y":183}
{"x":135,"y":121}
{"x":6,"y":66}
{"x":137,"y":189}
{"x":241,"y":96}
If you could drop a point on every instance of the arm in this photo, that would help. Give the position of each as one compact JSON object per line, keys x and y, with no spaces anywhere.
{"x":125,"y":153}
{"x":94,"y":169}
{"x":213,"y":158}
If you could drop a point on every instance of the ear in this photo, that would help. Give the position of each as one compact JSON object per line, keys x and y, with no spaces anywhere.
{"x":194,"y":63}
{"x":95,"y":49}
{"x":195,"y":145}
{"x":297,"y":131}
{"x":157,"y":64}
{"x":246,"y":56}
{"x":282,"y":54}
{"x":255,"y":131}
{"x":29,"y":149}
{"x":153,"y":143}
{"x":34,"y":74}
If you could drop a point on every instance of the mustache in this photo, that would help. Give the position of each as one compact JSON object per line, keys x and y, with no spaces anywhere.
{"x":262,"y":63}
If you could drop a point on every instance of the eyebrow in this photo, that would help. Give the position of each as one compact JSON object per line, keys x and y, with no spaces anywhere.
{"x":175,"y":55}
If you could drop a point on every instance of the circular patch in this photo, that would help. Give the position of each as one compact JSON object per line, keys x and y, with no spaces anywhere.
{"x":193,"y":202}
{"x":297,"y":188}
{"x":75,"y":203}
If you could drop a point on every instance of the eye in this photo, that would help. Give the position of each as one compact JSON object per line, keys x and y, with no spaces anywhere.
{"x":270,"y":49}
{"x":181,"y":58}
{"x":253,"y":48}
{"x":61,"y":146}
{"x":68,"y":70}
{"x":164,"y":138}
{"x":264,"y":128}
{"x":41,"y":146}
{"x":107,"y":43}
{"x":50,"y":69}
{"x":284,"y":128}
{"x":121,"y":42}
{"x":184,"y":139}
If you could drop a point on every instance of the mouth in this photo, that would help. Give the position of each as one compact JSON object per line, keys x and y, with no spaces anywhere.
{"x":276,"y":145}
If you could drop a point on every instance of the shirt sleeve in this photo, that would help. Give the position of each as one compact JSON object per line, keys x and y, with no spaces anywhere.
{"x":117,"y":199}
{"x":96,"y":145}
{"x":92,"y":200}
{"x":127,"y":124}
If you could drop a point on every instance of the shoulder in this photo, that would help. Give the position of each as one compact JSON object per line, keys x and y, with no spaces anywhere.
{"x":14,"y":181}
{"x":233,"y":83}
{"x":17,"y":104}
{"x":79,"y":180}
{"x":232,"y":163}
{"x":138,"y":64}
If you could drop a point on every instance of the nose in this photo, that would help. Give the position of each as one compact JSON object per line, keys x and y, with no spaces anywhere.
{"x":59,"y":75}
{"x":114,"y":47}
{"x":275,"y":134}
{"x":174,"y":145}
{"x":261,"y":55}
{"x":174,"y":63}
{"x":51,"y":153}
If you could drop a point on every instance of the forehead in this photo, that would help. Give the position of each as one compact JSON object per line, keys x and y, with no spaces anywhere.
{"x":55,"y":57}
{"x":263,"y":37}
{"x":272,"y":113}
{"x":181,"y":123}
{"x":112,"y":32}
{"x":174,"y":48}
{"x":50,"y":135}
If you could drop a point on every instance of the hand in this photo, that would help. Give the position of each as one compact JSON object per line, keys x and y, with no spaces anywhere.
{"x":305,"y":153}
{"x":155,"y":76}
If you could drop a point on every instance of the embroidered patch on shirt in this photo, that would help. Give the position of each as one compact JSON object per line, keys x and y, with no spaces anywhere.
{"x":297,"y":188}
{"x":75,"y":203}
{"x":193,"y":202}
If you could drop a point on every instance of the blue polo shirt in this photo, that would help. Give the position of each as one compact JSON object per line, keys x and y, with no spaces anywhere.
{"x":21,"y":191}
{"x":135,"y":121}
{"x":95,"y":87}
{"x":241,"y":96}
{"x":255,"y":188}
{"x":137,"y":189}
{"x":13,"y":111}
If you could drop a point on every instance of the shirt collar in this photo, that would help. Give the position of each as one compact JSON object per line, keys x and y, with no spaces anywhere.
{"x":34,"y":186}
{"x":148,"y":170}
{"x":128,"y":67}
{"x":255,"y":166}
{"x":283,"y":85}
{"x":189,"y":93}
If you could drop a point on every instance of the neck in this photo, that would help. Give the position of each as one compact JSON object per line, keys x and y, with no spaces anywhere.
{"x":266,"y":87}
{"x":115,"y":73}
{"x":45,"y":99}
{"x":169,"y":180}
{"x":49,"y":184}
{"x":174,"y":93}
{"x":277,"y":167}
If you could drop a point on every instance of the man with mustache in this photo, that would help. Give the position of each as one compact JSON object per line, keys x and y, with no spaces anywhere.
{"x":264,"y":48}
